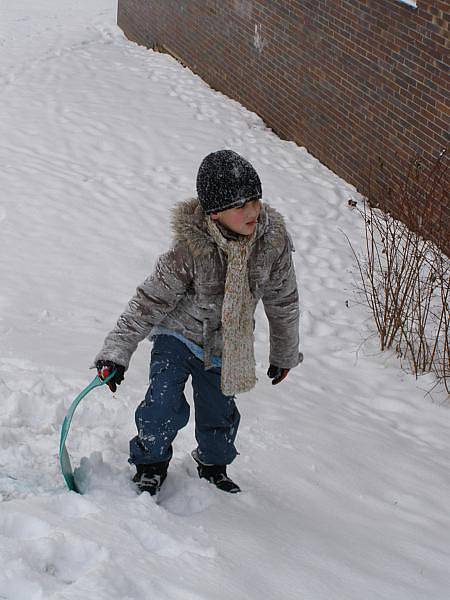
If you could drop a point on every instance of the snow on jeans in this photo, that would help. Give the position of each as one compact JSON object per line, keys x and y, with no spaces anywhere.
{"x":165,"y":411}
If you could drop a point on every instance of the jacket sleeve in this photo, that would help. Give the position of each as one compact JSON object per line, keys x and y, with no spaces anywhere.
{"x":156,"y":297}
{"x":281,"y":305}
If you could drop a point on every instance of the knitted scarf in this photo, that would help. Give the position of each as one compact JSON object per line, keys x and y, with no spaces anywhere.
{"x":238,"y":358}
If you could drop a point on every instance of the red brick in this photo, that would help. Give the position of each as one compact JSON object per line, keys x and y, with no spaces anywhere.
{"x":353,"y":80}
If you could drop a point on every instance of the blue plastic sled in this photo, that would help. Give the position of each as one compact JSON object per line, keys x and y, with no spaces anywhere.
{"x":64,"y":459}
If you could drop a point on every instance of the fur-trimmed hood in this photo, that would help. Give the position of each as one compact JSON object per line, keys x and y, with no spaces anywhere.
{"x":189,"y":226}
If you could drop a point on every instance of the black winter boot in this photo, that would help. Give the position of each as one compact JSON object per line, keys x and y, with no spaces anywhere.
{"x":149,"y":478}
{"x":216,"y":474}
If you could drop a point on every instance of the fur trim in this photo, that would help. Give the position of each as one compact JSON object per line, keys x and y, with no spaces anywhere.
{"x":189,"y":226}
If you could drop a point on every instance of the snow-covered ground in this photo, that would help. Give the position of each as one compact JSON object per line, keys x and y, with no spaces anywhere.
{"x":344,"y":466}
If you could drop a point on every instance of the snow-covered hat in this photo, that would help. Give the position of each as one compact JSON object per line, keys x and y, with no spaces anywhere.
{"x":226,"y":180}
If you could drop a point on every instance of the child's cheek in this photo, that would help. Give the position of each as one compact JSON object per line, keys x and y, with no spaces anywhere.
{"x":238,"y":219}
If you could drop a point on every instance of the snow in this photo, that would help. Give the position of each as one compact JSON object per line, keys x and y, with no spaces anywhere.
{"x":344,"y":466}
{"x":412,"y":3}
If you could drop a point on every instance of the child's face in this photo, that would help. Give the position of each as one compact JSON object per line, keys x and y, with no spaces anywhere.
{"x":241,"y":220}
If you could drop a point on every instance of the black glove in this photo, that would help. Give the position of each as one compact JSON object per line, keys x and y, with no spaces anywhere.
{"x":277,"y":374}
{"x":105,"y":368}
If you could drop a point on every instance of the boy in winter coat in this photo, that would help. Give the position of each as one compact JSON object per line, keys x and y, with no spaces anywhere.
{"x":229,"y":251}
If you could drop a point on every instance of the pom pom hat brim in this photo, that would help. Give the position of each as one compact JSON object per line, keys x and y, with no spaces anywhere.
{"x":226,"y":180}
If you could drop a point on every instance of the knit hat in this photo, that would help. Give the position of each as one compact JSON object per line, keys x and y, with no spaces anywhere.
{"x":226,"y":180}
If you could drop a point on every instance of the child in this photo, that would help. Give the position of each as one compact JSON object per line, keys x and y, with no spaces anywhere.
{"x":229,"y":251}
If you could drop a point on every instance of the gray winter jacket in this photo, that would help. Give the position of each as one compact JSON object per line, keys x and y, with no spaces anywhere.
{"x":185,"y":291}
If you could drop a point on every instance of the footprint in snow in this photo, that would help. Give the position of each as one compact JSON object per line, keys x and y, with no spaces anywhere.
{"x":18,"y":526}
{"x":38,"y":550}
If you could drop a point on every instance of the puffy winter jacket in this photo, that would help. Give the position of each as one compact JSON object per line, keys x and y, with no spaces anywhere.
{"x":185,"y":291}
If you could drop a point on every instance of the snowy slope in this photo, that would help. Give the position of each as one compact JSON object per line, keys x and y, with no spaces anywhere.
{"x":344,"y":466}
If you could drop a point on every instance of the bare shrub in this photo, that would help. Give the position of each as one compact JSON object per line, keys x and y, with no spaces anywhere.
{"x":405,"y":280}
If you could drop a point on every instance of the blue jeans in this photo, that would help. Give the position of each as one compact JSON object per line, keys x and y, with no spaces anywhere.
{"x":165,"y":411}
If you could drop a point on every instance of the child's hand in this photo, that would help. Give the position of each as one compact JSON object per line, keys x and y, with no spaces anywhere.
{"x":105,"y":368}
{"x":277,"y":374}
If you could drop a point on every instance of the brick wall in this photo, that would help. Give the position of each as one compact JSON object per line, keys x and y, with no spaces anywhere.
{"x":362,"y":84}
